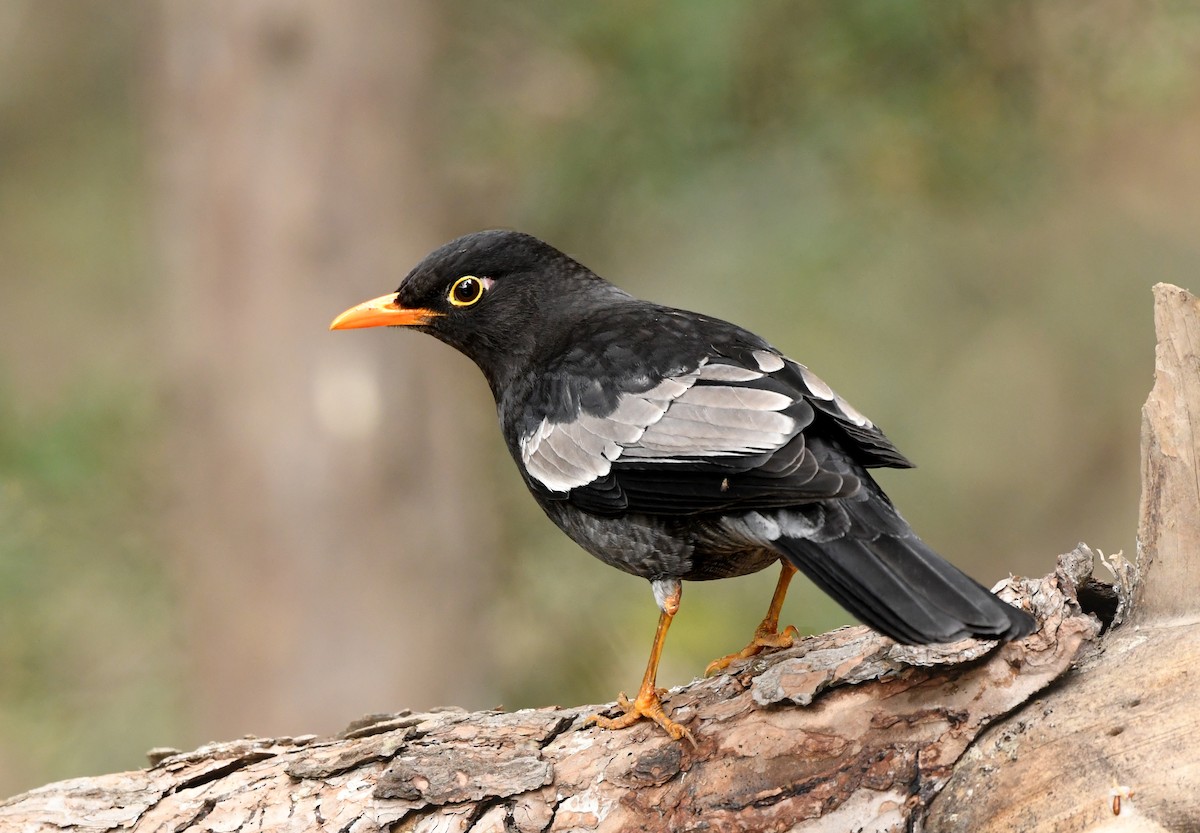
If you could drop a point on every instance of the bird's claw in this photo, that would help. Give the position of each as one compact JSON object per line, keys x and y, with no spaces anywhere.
{"x":646,"y":705}
{"x":762,"y":639}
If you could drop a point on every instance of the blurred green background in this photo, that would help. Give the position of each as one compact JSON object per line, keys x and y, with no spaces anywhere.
{"x":954,"y":212}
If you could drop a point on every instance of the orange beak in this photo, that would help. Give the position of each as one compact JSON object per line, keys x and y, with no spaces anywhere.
{"x":382,"y":312}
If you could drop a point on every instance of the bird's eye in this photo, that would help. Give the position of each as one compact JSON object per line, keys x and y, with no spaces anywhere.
{"x":466,"y":291}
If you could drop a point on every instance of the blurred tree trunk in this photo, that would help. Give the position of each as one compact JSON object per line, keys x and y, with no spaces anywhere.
{"x":316,"y":577}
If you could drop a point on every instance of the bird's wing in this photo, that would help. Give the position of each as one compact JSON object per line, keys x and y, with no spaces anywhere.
{"x":733,"y":431}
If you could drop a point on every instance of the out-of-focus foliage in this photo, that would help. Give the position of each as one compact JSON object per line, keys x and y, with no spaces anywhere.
{"x":952,"y":211}
{"x":87,"y":659}
{"x":86,"y":646}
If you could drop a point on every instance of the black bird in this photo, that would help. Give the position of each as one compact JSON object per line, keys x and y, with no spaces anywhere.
{"x":675,"y":446}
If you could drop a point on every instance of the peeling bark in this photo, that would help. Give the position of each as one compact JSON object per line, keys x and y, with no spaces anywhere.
{"x":844,"y":727}
{"x":843,"y":731}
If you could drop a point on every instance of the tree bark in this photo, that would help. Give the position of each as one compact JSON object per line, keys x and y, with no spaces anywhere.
{"x":1126,"y":719}
{"x":844,"y":731}
{"x":846,"y":727}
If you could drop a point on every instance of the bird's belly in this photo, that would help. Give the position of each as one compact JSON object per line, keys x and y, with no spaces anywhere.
{"x":641,"y":545}
{"x":654,"y":547}
{"x":713,"y":564}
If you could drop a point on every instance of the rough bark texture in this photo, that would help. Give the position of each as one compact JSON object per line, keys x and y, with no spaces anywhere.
{"x":1128,"y":716}
{"x":846,"y":727}
{"x":844,"y":731}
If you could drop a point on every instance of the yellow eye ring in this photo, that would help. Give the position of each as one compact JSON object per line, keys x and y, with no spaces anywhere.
{"x":466,"y":291}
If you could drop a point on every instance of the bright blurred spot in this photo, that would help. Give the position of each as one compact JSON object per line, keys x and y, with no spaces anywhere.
{"x":346,"y":395}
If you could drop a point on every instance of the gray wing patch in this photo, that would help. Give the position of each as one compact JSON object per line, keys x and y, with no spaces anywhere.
{"x":728,"y":373}
{"x":768,"y":361}
{"x":816,"y":385}
{"x":717,"y":421}
{"x":676,"y":421}
{"x":818,"y":388}
{"x":558,"y":458}
{"x":565,"y":455}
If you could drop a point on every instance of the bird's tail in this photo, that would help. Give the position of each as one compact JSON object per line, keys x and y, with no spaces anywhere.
{"x":864,"y":555}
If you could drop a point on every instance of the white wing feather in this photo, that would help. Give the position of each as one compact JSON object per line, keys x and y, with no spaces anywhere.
{"x":673,"y":422}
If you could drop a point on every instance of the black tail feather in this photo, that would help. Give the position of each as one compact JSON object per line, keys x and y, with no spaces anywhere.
{"x":893,"y":582}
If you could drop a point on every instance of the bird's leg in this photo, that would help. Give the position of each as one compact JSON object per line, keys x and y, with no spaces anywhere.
{"x":767,"y":635}
{"x":647,"y":703}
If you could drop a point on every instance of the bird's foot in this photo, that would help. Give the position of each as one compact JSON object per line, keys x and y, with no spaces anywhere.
{"x":763,"y":638}
{"x":647,"y":705}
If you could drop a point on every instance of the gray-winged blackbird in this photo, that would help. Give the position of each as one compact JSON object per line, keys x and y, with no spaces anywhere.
{"x":676,"y":446}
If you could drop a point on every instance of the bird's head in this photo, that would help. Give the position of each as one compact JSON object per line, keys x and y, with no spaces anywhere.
{"x":493,"y":295}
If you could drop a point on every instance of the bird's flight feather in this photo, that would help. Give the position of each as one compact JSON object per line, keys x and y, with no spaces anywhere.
{"x":722,"y":434}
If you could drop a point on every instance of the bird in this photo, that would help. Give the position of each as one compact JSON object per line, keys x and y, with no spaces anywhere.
{"x":676,"y":446}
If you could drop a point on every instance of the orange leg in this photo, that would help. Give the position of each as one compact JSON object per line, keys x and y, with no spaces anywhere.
{"x":767,"y":634}
{"x":647,"y":704}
